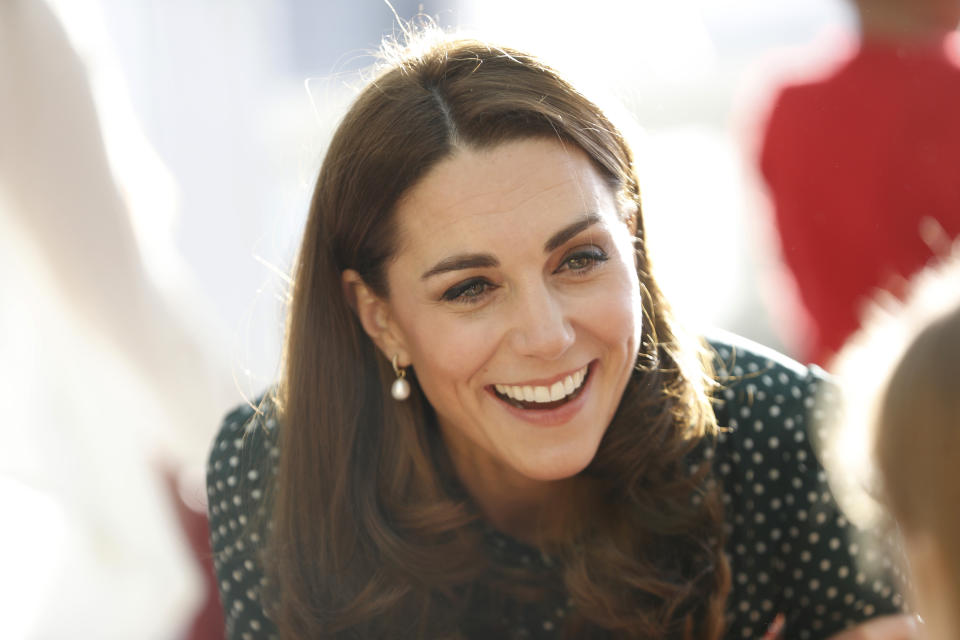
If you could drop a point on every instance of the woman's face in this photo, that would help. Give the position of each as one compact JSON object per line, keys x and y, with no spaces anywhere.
{"x":514,"y":296}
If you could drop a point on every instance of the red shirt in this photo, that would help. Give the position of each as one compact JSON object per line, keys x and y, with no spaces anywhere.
{"x":859,"y":163}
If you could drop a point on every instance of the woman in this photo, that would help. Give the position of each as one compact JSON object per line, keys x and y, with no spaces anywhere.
{"x":488,"y":425}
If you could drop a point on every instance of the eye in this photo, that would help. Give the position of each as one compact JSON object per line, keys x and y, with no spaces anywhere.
{"x":469,"y":291}
{"x":584,"y":260}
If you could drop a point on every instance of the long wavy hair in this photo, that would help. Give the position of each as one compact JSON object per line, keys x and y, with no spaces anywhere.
{"x":370,"y":538}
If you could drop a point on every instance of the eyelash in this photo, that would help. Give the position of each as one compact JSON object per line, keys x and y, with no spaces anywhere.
{"x":595,"y":256}
{"x":480,"y":286}
{"x":458,"y":292}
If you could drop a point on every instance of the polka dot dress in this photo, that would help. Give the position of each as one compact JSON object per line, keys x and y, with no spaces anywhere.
{"x":791,"y":550}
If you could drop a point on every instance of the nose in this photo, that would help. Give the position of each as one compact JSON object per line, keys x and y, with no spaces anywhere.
{"x":541,"y":326}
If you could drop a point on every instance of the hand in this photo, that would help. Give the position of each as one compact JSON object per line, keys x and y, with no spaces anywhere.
{"x":900,"y":627}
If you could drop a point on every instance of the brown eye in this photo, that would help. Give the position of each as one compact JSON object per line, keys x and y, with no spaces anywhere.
{"x":583,"y":261}
{"x":468,"y":291}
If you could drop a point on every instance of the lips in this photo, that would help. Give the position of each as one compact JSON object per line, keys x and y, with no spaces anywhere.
{"x":544,"y":396}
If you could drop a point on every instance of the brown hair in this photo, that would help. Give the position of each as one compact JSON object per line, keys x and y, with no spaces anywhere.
{"x":918,"y":440}
{"x":368,"y":539}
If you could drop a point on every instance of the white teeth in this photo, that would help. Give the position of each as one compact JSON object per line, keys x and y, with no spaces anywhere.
{"x":557,"y":391}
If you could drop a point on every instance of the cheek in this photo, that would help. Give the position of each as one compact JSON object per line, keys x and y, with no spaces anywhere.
{"x":615,"y":311}
{"x":448,"y":352}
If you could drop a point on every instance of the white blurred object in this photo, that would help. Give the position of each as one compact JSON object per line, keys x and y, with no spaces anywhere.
{"x":108,"y":382}
{"x":90,"y":544}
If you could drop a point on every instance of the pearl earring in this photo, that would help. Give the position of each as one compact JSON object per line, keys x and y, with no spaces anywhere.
{"x":400,"y":389}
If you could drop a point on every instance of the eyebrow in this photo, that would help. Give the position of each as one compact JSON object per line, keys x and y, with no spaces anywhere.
{"x":486,"y":261}
{"x":569,"y":231}
{"x":462,"y":261}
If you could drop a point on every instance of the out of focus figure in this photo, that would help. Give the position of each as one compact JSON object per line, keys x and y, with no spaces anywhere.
{"x":862,"y":161}
{"x":107,"y":385}
{"x":901,"y":379}
{"x":917,"y":449}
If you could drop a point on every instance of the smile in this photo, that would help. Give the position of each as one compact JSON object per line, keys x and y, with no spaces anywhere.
{"x":544,"y":397}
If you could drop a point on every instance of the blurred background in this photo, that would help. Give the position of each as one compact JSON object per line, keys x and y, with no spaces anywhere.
{"x":157,"y":160}
{"x":236,"y":100}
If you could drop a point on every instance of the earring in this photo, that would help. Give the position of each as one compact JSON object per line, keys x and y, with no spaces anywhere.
{"x":400,"y":389}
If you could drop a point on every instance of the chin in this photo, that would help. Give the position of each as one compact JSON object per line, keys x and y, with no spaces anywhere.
{"x":559,"y":469}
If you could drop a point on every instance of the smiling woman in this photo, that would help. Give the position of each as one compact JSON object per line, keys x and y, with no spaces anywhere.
{"x":556,"y":469}
{"x":516,"y":260}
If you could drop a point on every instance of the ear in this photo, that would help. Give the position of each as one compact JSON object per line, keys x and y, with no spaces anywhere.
{"x":375,"y":317}
{"x":632,"y":219}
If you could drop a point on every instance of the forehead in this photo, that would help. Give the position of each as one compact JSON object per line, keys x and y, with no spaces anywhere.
{"x":512,"y":193}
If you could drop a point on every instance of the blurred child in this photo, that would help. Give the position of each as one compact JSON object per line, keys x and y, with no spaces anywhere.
{"x":899,"y":440}
{"x":917,"y":450}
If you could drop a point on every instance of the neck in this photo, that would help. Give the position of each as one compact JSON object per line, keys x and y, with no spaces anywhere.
{"x":536,"y":512}
{"x":891,"y":22}
{"x":532,"y":516}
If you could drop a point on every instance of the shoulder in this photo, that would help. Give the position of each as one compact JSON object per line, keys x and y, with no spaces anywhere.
{"x":242,"y":462}
{"x":242,"y":457}
{"x":750,"y":374}
{"x":768,"y":405}
{"x":792,"y":550}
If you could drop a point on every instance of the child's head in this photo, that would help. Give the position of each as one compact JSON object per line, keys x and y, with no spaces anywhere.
{"x":917,"y":450}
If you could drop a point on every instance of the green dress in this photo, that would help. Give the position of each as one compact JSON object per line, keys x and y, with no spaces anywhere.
{"x":790,"y":548}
